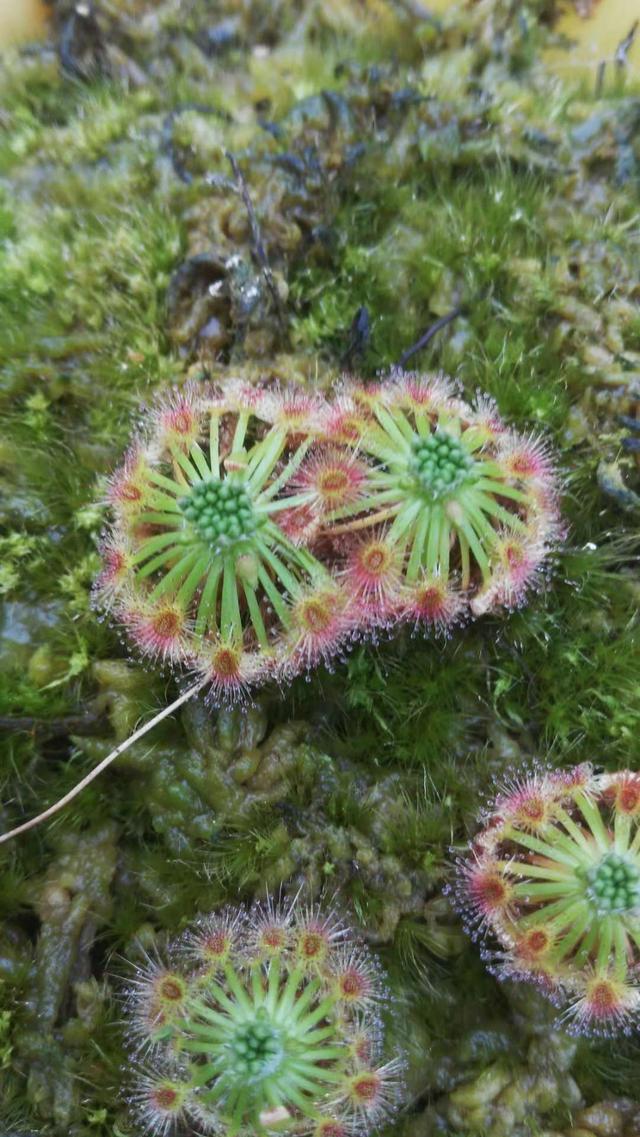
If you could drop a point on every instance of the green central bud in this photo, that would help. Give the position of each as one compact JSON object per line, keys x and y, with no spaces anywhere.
{"x":614,"y":884}
{"x":220,"y":512}
{"x":440,"y":464}
{"x":256,"y":1048}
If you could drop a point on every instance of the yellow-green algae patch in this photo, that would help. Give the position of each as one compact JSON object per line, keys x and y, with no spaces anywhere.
{"x":22,"y":21}
{"x":592,"y":35}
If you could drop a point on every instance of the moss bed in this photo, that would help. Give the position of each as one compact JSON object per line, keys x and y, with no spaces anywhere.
{"x":400,"y":166}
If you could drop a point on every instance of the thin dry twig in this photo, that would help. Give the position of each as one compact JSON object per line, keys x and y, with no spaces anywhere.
{"x":119,"y":749}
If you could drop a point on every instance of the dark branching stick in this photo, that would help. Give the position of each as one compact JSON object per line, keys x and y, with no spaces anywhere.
{"x":256,"y":238}
{"x":625,"y":45}
{"x":430,"y":333}
{"x":620,"y":57}
{"x":359,"y":337}
{"x":111,"y":757}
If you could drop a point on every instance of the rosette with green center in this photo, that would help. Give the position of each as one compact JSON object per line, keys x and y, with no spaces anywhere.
{"x":201,"y":564}
{"x":555,"y":879}
{"x":263,"y":1023}
{"x":457,"y":511}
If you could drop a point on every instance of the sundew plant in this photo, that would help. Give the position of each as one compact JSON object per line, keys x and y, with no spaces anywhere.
{"x":257,"y":529}
{"x":459,"y":511}
{"x":263,"y":1021}
{"x":552,"y":886}
{"x":203,"y":564}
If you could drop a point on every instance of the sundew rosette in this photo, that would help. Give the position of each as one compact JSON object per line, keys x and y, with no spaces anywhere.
{"x":257,"y":530}
{"x":262,"y":1022}
{"x":207,"y":561}
{"x":552,"y":887}
{"x":455,"y":512}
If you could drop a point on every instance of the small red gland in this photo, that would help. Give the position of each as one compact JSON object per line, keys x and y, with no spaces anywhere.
{"x":575,"y":778}
{"x":514,"y":555}
{"x":523,"y":464}
{"x":330,"y":1129}
{"x":362,"y":1050}
{"x":534,"y":944}
{"x":216,"y":945}
{"x":181,"y":421}
{"x":312,"y":945}
{"x":273,"y":938}
{"x":332,"y":482}
{"x":491,"y":891}
{"x":115,"y":561}
{"x":366,"y":1088}
{"x":225,"y":663}
{"x":349,"y":427}
{"x":603,"y":999}
{"x":295,"y":413}
{"x":166,"y":1098}
{"x":629,"y":796}
{"x":419,"y":394}
{"x":166,"y":625}
{"x":130,"y":492}
{"x":352,"y":984}
{"x":171,"y":989}
{"x":430,"y":599}
{"x":315,"y":616}
{"x":533,"y":809}
{"x":375,"y":560}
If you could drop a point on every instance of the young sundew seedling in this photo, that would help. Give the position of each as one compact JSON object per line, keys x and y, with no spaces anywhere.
{"x":263,"y":1022}
{"x":458,"y":511}
{"x":552,"y":885}
{"x":203,"y":565}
